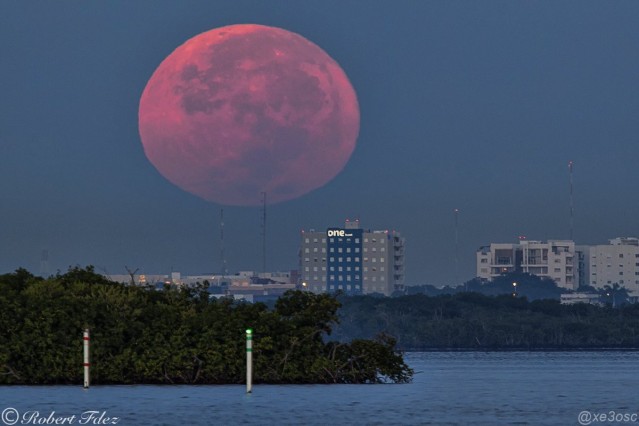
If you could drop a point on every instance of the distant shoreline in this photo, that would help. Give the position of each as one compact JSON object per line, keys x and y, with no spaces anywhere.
{"x":412,"y":350}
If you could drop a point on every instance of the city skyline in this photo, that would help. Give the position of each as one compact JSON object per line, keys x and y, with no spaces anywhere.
{"x":476,"y":107}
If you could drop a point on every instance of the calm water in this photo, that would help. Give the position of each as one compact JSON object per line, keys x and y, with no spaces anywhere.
{"x":454,"y":388}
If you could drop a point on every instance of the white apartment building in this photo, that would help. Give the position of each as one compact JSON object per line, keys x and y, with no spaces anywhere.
{"x":615,"y":263}
{"x":554,"y":259}
{"x":352,"y":260}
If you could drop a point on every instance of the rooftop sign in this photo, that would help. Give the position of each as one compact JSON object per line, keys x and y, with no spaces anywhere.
{"x":338,"y":233}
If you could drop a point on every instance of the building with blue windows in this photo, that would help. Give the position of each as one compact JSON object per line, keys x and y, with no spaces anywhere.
{"x":344,"y":260}
{"x":352,"y":260}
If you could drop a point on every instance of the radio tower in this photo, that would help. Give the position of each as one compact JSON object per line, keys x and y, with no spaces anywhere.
{"x":222,"y":256}
{"x":456,"y":211}
{"x":44,"y":264}
{"x":263,"y":231}
{"x":572,"y":208}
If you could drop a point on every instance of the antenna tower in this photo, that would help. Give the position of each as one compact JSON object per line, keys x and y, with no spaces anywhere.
{"x":572,"y":206}
{"x":263,"y":231}
{"x":222,"y":256}
{"x":44,"y":264}
{"x":456,"y":211}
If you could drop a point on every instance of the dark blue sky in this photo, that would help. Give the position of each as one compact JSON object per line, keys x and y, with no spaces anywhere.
{"x":470,"y":105}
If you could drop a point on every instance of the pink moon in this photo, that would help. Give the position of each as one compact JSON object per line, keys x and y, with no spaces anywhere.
{"x":243,"y":110}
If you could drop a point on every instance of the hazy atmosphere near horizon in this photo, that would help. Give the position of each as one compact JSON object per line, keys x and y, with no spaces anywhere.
{"x":476,"y":106}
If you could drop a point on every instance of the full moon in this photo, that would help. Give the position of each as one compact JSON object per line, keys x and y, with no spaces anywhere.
{"x":243,"y":110}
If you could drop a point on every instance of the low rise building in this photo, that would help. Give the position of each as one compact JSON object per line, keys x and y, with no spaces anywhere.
{"x":245,"y":285}
{"x":574,"y":298}
{"x":615,"y":263}
{"x":554,"y":259}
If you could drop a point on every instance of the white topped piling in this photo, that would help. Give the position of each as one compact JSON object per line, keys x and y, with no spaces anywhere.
{"x":249,"y":360}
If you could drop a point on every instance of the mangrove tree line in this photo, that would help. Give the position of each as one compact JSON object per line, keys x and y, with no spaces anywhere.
{"x":175,"y":335}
